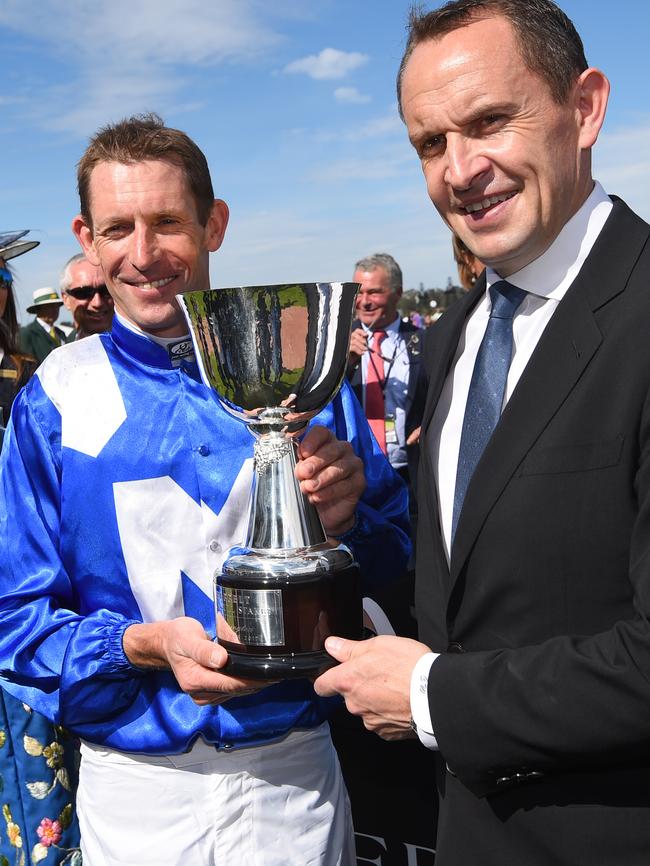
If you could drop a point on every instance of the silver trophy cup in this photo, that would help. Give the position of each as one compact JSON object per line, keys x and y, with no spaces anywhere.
{"x":276,"y":355}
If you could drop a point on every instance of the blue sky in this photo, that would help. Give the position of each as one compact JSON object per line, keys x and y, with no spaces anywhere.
{"x":293,"y":102}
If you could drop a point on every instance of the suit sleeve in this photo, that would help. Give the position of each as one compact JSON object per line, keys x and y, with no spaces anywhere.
{"x":67,"y":666}
{"x":24,"y":340}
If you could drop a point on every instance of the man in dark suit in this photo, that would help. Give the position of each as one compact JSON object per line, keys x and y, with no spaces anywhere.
{"x":384,"y":362}
{"x":533,"y":586}
{"x":41,"y":336}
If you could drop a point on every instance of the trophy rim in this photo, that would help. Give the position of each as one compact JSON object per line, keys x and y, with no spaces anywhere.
{"x":303,"y":405}
{"x":271,"y":286}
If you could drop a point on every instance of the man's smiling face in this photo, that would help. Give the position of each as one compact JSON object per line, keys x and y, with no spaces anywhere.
{"x":505,"y":164}
{"x":148,"y":240}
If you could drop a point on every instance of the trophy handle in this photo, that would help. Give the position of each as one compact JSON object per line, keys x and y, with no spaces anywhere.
{"x":281,"y":518}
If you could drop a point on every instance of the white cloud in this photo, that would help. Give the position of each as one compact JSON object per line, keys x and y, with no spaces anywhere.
{"x":379,"y":168}
{"x":350,"y":95}
{"x":94,"y":101}
{"x":124,"y":57}
{"x":310,"y":244}
{"x":387,"y":126}
{"x":622,"y":165}
{"x":329,"y":64}
{"x":133,"y":35}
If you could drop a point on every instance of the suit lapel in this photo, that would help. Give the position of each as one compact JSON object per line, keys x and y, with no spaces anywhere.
{"x":413,"y":340}
{"x":43,"y":342}
{"x":441,"y":345}
{"x":562,"y":355}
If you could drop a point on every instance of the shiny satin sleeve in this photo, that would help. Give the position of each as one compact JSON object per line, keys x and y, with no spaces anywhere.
{"x":69,"y":667}
{"x":380,"y":538}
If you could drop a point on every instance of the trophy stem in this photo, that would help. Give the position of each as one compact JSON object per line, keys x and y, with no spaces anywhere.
{"x":282,"y":519}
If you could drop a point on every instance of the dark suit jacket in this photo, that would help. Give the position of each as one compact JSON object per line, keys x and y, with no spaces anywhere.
{"x":35,"y":341}
{"x":416,"y":385}
{"x":541,"y":699}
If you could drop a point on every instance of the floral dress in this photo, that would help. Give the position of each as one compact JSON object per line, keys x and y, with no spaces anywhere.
{"x":37,"y":783}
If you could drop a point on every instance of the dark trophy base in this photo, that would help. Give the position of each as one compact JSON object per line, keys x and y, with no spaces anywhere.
{"x":270,"y":667}
{"x":299,"y":613}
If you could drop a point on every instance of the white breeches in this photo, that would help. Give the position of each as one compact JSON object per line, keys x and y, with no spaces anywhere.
{"x":281,"y":804}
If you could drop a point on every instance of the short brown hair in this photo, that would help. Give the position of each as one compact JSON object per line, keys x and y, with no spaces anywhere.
{"x":549,"y":43}
{"x":145,"y":137}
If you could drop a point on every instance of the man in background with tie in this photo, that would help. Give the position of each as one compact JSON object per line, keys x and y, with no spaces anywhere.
{"x":41,"y":336}
{"x":533,"y":575}
{"x":384,"y":363}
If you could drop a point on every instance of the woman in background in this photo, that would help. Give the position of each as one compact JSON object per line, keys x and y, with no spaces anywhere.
{"x":15,"y":367}
{"x":37,"y":759}
{"x":469,"y":267}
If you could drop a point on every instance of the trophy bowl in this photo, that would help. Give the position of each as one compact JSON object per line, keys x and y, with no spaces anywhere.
{"x":275,"y":356}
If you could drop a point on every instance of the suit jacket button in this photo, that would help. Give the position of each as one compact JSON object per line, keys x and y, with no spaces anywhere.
{"x":455,"y":647}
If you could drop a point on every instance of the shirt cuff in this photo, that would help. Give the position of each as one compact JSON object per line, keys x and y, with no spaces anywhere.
{"x":115,"y":646}
{"x":420,"y":700}
{"x":359,"y":531}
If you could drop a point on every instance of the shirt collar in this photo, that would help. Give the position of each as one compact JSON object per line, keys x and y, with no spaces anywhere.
{"x":45,"y":325}
{"x":144,"y":347}
{"x":393,"y":328}
{"x":551,"y":274}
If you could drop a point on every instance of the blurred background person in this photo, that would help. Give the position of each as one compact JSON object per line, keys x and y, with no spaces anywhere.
{"x":384,"y":363}
{"x":386,"y":374}
{"x":469,"y":267}
{"x":42,"y":336}
{"x":85,"y":295}
{"x":15,"y":366}
{"x":39,"y":815}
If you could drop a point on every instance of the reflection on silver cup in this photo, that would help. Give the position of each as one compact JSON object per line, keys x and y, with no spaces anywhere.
{"x":276,"y":355}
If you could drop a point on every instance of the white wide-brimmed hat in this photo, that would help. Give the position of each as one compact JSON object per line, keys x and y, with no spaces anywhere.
{"x":43,"y":297}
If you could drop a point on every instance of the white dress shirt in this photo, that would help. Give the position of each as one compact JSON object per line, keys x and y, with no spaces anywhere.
{"x":547,"y":280}
{"x":47,"y":327}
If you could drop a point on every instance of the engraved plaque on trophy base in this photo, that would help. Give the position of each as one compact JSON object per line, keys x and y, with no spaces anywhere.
{"x":279,"y":621}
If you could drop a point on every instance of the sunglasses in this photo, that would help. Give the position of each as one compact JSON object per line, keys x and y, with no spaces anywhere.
{"x":6,"y":280}
{"x":85,"y":293}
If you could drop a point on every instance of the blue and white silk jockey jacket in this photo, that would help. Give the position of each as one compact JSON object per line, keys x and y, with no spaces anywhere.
{"x":123,"y":483}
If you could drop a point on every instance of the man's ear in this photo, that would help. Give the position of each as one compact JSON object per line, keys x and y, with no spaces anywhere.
{"x":84,"y":235}
{"x":592,"y":93}
{"x":216,"y":225}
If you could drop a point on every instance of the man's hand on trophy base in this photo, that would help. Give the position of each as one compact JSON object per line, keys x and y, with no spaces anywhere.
{"x":182,"y":646}
{"x":374,"y":678}
{"x":331,"y":476}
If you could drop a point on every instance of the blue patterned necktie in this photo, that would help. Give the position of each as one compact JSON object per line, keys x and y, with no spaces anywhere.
{"x":487,"y":388}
